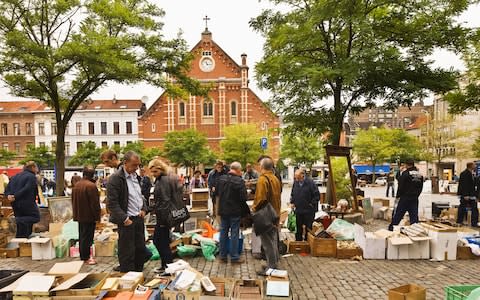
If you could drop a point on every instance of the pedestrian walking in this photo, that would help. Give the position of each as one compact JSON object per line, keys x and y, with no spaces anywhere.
{"x":232,"y":206}
{"x":304,"y":200}
{"x":391,"y":183}
{"x":410,"y":185}
{"x":127,"y":209}
{"x":467,"y":192}
{"x":166,"y":187}
{"x":86,"y":211}
{"x":268,"y":191}
{"x":22,"y":191}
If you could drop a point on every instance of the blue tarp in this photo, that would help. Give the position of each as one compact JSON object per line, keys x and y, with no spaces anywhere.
{"x":368,"y":170}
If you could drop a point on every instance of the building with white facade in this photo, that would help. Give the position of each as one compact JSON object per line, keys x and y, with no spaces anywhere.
{"x":105,"y":122}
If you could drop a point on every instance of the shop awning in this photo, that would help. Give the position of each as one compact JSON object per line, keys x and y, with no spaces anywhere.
{"x":368,"y":170}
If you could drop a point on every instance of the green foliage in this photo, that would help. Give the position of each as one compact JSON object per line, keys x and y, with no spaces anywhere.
{"x":302,"y":148}
{"x":41,"y":155}
{"x":476,"y":147}
{"x":87,"y":155}
{"x":241,"y":143}
{"x":62,"y":51}
{"x":324,"y":58}
{"x":6,"y":157}
{"x":146,"y":154}
{"x":341,"y":178}
{"x":377,"y":145}
{"x":187,"y":148}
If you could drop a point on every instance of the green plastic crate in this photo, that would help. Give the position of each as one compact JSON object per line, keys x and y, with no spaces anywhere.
{"x":459,"y":292}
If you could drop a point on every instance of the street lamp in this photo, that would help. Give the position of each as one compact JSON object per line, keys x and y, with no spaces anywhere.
{"x":427,"y":114}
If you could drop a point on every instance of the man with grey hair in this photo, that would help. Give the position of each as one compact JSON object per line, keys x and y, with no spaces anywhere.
{"x":127,"y":209}
{"x":304,"y":200}
{"x":268,"y":191}
{"x":22,"y":191}
{"x":232,"y":206}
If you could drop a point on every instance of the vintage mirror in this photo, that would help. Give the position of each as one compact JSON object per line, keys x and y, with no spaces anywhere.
{"x":340,"y":178}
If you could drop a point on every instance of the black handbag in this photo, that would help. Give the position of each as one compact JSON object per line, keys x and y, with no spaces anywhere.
{"x":174,"y":212}
{"x":265,"y":218}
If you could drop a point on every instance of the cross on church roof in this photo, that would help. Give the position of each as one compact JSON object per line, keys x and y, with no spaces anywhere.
{"x":206,"y":19}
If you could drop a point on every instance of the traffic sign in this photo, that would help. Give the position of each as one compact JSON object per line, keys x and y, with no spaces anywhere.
{"x":264,"y":143}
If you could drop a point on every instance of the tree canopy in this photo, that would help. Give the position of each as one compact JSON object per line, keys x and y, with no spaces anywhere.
{"x":241,"y":143}
{"x":302,"y":148}
{"x":187,"y":148}
{"x":6,"y":157}
{"x":62,"y":51}
{"x":87,"y":155}
{"x":41,"y":155}
{"x":324,"y":58}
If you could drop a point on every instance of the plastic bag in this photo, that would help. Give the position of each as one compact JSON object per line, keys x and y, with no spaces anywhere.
{"x":153,"y":249}
{"x":292,"y":221}
{"x":208,"y":250}
{"x":341,"y":230}
{"x":186,"y":250}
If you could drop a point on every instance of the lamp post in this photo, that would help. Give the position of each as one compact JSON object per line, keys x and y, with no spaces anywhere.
{"x":427,"y":114}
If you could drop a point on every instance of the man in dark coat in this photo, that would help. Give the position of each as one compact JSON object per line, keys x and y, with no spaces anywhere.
{"x":22,"y":191}
{"x":86,"y":211}
{"x":127,"y":209}
{"x":304,"y":199}
{"x":467,"y":194}
{"x":410,"y":185}
{"x":232,"y":207}
{"x":146,"y":184}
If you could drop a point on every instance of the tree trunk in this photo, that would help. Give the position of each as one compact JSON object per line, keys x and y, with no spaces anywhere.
{"x":338,"y":116}
{"x":60,"y":160}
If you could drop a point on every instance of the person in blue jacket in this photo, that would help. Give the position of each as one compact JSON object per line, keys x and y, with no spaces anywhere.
{"x":22,"y":191}
{"x":304,"y":199}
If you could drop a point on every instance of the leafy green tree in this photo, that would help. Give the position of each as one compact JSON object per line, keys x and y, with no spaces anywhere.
{"x":41,"y":155}
{"x":87,"y":155}
{"x":137,"y":147}
{"x":476,"y":147}
{"x":404,"y":145}
{"x":150,"y":153}
{"x":62,"y":51}
{"x":187,"y":148}
{"x":302,"y":148}
{"x":6,"y":157}
{"x":241,"y":143}
{"x":146,"y":154}
{"x":324,"y":58}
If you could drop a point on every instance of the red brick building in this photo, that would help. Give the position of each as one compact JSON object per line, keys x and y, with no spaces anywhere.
{"x":230,"y":102}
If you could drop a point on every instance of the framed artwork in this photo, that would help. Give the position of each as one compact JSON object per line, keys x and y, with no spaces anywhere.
{"x":61,"y":210}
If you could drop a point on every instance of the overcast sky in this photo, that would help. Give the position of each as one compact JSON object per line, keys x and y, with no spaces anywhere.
{"x":230,"y":30}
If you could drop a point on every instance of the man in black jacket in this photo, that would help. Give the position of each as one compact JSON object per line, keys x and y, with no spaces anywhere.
{"x":232,"y":206}
{"x":467,"y":194}
{"x":304,"y":199}
{"x":127,"y":209}
{"x":22,"y":191}
{"x":410,"y":185}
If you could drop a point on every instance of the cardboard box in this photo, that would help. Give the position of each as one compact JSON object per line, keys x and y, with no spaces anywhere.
{"x":81,"y":285}
{"x":322,"y":247}
{"x":407,"y":292}
{"x":277,"y":287}
{"x":186,"y":295}
{"x":344,"y":253}
{"x":297,"y":247}
{"x":443,"y":243}
{"x":106,"y":248}
{"x":464,"y":252}
{"x":373,"y":246}
{"x":248,"y":289}
{"x":200,"y":194}
{"x":25,"y":248}
{"x":420,"y":248}
{"x":10,"y":250}
{"x":224,"y":289}
{"x":42,"y":248}
{"x":397,"y":247}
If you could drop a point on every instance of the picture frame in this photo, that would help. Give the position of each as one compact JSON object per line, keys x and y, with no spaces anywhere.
{"x":61,"y":209}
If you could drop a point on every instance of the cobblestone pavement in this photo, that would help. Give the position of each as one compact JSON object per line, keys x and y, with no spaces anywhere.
{"x":322,"y":278}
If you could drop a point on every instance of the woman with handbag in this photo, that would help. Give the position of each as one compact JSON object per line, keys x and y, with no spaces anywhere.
{"x":166,"y":188}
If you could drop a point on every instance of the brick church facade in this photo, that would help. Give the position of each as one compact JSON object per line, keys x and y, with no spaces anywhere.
{"x":230,"y":102}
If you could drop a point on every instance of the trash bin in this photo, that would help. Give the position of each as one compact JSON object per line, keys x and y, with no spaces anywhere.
{"x":435,"y":189}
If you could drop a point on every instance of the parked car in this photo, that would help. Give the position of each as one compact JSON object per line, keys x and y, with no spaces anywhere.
{"x":381,"y":180}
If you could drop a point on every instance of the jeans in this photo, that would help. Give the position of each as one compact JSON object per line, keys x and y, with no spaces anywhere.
{"x":232,"y":225}
{"x":388,"y":189}
{"x":161,"y":240}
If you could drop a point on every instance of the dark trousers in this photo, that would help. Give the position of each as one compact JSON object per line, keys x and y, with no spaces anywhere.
{"x":161,"y":240}
{"x":464,"y":203}
{"x":85,"y":235}
{"x":131,"y":246}
{"x":270,"y":247}
{"x":24,"y":229}
{"x":303,"y":219}
{"x":405,"y":204}
{"x":390,"y":185}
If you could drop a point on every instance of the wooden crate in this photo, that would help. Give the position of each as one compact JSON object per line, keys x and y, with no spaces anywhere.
{"x":200,"y":194}
{"x":3,"y":240}
{"x":322,"y":247}
{"x":25,"y":249}
{"x":344,"y":253}
{"x":297,"y":247}
{"x":9,"y":252}
{"x":200,"y":204}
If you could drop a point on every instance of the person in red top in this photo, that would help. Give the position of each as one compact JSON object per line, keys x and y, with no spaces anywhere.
{"x":86,"y":211}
